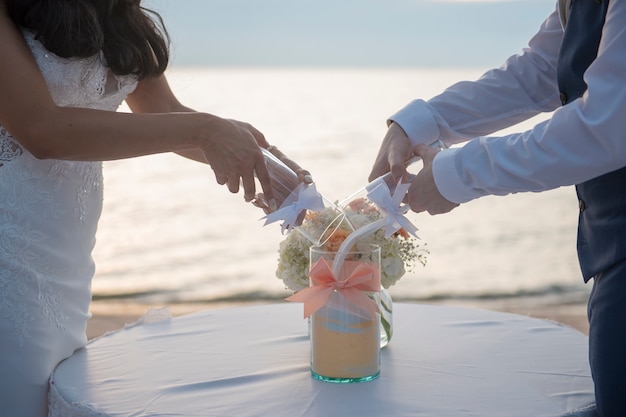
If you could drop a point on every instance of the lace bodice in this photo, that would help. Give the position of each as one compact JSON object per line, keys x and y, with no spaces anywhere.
{"x":49,"y":208}
{"x":77,"y":82}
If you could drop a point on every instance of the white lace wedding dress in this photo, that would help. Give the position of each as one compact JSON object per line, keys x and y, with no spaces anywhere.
{"x":49,"y":211}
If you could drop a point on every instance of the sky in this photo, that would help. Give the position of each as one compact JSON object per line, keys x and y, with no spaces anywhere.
{"x":349,"y":33}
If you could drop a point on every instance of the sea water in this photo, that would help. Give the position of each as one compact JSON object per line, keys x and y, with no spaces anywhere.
{"x":170,"y":233}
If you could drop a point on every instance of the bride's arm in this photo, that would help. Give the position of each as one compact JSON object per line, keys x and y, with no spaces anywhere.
{"x":154,"y":95}
{"x":49,"y":131}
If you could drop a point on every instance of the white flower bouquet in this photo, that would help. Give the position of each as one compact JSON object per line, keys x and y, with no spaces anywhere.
{"x":329,"y":228}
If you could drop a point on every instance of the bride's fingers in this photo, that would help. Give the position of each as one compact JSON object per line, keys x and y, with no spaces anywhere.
{"x":259,"y":201}
{"x":247,"y":182}
{"x":233,"y":185}
{"x":221,"y":179}
{"x":303,"y":174}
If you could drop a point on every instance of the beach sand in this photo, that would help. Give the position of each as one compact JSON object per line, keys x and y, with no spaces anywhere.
{"x":110,"y":316}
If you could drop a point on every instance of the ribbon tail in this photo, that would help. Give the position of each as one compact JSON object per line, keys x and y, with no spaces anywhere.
{"x":304,"y":197}
{"x":399,"y":192}
{"x":313,"y":199}
{"x":397,"y":222}
{"x":408,"y":226}
{"x":313,"y":298}
{"x":361,"y":300}
{"x":391,"y":207}
{"x":283,"y":213}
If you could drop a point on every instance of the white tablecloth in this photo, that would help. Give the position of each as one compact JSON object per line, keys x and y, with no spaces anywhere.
{"x":254,"y":361}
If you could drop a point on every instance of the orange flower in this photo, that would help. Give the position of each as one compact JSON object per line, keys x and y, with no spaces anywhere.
{"x":333,"y":241}
{"x":362,"y":205}
{"x":402,"y":233}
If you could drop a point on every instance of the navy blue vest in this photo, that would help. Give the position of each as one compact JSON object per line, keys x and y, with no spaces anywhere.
{"x":602,"y":200}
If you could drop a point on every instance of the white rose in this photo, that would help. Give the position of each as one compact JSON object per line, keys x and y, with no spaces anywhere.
{"x":392,"y":270}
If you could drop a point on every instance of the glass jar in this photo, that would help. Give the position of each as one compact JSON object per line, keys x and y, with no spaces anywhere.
{"x":345,"y":335}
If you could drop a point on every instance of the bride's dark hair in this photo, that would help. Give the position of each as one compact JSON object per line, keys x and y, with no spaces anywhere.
{"x":132,"y":38}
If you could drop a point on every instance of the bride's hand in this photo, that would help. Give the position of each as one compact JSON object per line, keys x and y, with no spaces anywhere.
{"x":303,"y":174}
{"x":283,"y":180}
{"x":232,"y":148}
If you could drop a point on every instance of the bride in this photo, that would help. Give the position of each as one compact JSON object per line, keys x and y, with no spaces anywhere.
{"x":65,"y":67}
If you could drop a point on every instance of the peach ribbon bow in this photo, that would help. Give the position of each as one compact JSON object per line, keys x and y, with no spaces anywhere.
{"x":364,"y":277}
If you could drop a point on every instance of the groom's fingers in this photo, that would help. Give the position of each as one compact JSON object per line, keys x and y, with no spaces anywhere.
{"x":425,"y":152}
{"x":388,"y":160}
{"x":396,"y":165}
{"x":377,"y":171}
{"x":394,"y":151}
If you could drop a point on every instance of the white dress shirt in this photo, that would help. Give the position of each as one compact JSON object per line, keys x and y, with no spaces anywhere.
{"x":582,"y":140}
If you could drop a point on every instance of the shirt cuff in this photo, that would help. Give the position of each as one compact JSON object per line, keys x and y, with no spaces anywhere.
{"x":448,"y":179}
{"x":417,"y":121}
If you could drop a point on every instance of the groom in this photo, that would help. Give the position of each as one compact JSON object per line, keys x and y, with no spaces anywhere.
{"x":575,"y":66}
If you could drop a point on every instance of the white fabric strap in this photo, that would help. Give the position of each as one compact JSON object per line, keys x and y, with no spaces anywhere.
{"x":564,"y":7}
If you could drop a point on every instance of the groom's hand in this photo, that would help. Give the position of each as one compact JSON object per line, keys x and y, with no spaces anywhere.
{"x":423,"y":194}
{"x":394,"y":151}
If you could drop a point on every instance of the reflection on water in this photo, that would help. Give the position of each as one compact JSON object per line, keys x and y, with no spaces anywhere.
{"x":170,"y":233}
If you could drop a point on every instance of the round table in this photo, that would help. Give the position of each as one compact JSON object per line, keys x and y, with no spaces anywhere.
{"x":254,"y":361}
